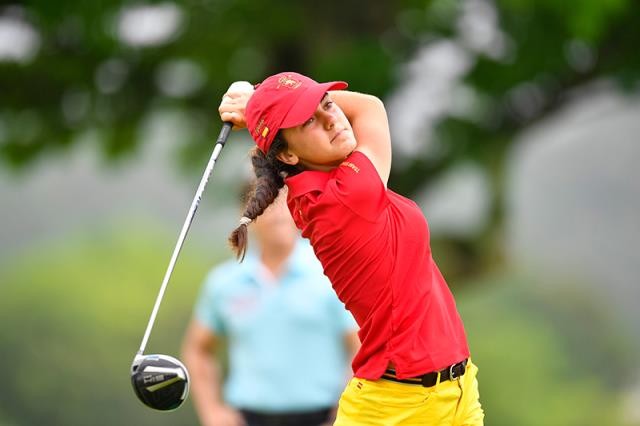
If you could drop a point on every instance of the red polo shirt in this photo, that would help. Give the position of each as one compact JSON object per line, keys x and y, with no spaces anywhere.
{"x":374,"y":247}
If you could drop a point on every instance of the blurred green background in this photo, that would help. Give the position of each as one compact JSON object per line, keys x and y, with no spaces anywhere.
{"x":514,"y":125}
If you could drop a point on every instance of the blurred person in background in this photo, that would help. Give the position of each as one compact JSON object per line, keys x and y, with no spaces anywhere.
{"x":289,"y":339}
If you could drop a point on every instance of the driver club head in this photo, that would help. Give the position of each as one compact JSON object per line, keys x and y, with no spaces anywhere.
{"x":160,"y":381}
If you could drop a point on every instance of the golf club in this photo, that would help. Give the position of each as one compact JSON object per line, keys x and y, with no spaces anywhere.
{"x":161,"y":381}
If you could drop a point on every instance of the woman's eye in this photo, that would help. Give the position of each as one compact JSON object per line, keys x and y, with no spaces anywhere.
{"x":328,"y":105}
{"x":306,"y":123}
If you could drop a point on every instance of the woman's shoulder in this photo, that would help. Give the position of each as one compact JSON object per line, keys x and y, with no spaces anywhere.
{"x":357,"y":185}
{"x":358,"y":172}
{"x":358,"y":163}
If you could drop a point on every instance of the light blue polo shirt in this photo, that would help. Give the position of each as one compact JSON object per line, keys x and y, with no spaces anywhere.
{"x":286,"y":339}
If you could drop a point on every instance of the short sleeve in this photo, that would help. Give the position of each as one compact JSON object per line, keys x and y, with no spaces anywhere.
{"x":357,"y":184}
{"x":208,"y":306}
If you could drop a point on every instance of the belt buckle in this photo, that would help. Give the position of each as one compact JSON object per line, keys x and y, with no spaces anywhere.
{"x":452,"y":377}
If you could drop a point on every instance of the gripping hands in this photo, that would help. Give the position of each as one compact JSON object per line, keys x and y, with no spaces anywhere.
{"x":234,"y":102}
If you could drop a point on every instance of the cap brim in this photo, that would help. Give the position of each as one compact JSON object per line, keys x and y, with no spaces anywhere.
{"x":304,"y":107}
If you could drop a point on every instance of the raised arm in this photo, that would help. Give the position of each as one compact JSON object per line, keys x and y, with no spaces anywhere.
{"x":368,"y":119}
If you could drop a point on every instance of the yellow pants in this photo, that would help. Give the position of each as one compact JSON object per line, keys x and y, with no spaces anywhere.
{"x":386,"y":403}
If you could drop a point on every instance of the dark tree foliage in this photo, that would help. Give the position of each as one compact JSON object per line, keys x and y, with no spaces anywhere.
{"x":552,"y":48}
{"x":244,"y":39}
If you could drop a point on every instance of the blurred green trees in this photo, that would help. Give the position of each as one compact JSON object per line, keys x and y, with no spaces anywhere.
{"x":523,"y":59}
{"x":85,"y":76}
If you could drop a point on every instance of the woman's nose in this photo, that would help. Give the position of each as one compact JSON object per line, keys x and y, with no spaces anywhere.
{"x":329,"y":120}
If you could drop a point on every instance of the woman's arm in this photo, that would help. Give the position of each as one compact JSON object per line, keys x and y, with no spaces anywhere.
{"x":368,"y":119}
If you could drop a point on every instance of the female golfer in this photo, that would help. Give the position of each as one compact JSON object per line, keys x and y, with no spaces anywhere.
{"x":332,"y":149}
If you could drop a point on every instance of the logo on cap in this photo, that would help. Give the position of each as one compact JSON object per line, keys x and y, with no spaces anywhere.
{"x":261,"y":129}
{"x":288,"y":82}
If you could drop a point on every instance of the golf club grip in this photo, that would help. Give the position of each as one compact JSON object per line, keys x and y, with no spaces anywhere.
{"x":224,"y":132}
{"x":222,"y":138}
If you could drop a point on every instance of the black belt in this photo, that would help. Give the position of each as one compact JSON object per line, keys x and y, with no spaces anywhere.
{"x":453,"y":372}
{"x":304,"y":418}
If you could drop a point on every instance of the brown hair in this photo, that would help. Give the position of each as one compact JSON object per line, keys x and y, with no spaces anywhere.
{"x":270,"y":173}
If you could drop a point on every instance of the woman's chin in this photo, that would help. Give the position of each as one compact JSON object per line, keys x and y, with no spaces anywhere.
{"x":348,"y":146}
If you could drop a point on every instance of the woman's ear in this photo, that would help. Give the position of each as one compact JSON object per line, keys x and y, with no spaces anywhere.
{"x":288,"y":157}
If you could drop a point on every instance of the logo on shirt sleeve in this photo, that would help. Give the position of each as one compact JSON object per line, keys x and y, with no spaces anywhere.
{"x":351,"y":166}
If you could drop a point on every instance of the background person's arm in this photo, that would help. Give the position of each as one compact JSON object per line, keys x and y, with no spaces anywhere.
{"x":198,"y":353}
{"x":368,"y":118}
{"x":351,"y":346}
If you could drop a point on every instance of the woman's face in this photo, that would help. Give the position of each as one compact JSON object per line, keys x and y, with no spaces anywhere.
{"x":275,"y":228}
{"x":322,"y":142}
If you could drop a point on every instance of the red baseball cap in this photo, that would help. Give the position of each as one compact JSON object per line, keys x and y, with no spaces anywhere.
{"x":281,"y":101}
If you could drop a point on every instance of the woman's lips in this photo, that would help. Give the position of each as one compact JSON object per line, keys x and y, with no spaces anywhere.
{"x":336,"y":135}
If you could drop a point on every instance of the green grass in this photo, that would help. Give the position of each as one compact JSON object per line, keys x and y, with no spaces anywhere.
{"x":528,"y":374}
{"x":72,"y":315}
{"x":73,"y":312}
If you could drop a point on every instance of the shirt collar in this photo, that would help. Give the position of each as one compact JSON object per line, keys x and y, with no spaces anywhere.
{"x":307,"y":181}
{"x":298,"y":262}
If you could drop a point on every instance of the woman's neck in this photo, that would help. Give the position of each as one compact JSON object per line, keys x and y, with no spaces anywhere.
{"x":274,"y":257}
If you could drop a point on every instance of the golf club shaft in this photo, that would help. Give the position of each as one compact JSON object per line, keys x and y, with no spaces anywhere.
{"x":222,"y":138}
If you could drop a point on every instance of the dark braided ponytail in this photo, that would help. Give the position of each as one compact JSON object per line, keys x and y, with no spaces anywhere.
{"x":270,"y":173}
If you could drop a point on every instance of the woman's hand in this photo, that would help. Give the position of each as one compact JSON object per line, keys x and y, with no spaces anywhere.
{"x":234,"y":103}
{"x":223,"y":415}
